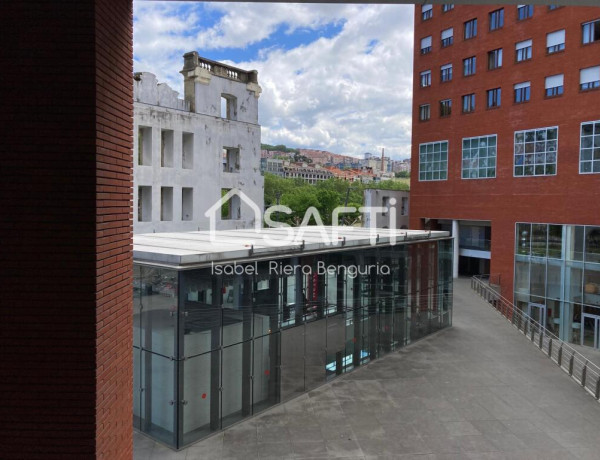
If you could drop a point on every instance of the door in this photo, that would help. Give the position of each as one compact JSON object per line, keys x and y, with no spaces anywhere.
{"x":537,"y":312}
{"x":590,"y":325}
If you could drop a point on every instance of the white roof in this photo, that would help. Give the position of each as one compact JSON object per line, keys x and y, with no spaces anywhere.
{"x":189,"y":249}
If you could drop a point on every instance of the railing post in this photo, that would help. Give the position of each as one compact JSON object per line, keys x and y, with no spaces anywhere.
{"x":532,"y":331}
{"x":560,"y":356}
{"x":550,"y":349}
{"x":597,"y":395}
{"x":583,"y":374}
{"x":571,"y":364}
{"x":541,"y":344}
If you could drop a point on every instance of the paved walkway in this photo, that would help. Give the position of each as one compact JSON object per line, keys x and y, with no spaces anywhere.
{"x":478,"y":390}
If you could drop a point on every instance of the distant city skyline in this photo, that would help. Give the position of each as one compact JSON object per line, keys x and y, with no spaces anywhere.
{"x":334,"y":77}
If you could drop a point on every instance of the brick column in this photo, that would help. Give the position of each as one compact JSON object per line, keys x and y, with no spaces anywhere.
{"x":65,"y":229}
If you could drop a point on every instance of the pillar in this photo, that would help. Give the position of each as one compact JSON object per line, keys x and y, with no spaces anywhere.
{"x":455,"y":247}
{"x":66,"y":231}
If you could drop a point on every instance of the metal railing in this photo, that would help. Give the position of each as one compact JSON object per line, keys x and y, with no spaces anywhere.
{"x":564,"y":356}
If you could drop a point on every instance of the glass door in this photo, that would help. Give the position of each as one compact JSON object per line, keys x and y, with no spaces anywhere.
{"x":537,"y":312}
{"x":589,"y":334}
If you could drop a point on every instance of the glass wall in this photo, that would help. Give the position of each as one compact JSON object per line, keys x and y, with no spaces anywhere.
{"x":215,"y":345}
{"x":557,"y":278}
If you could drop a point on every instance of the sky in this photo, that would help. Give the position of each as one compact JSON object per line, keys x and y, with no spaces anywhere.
{"x":334,"y":77}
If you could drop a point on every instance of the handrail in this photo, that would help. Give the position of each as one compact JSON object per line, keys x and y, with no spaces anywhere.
{"x":575,"y":364}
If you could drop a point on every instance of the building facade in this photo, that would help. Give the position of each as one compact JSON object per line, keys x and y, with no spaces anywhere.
{"x":506,"y":151}
{"x":398,"y":200}
{"x":226,"y":328}
{"x":190,"y":152}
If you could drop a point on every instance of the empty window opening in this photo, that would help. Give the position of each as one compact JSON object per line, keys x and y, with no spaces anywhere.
{"x":228,"y":107}
{"x":187,"y":151}
{"x":166,"y":148}
{"x":144,"y":146}
{"x":144,"y":208}
{"x":231,"y":208}
{"x":404,"y":206}
{"x":231,"y":160}
{"x":187,"y":203}
{"x":166,"y":203}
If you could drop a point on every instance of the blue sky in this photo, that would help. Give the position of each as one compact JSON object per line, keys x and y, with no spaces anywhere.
{"x":334,"y":77}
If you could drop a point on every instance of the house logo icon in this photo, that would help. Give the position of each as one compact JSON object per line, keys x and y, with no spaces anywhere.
{"x":235,"y":197}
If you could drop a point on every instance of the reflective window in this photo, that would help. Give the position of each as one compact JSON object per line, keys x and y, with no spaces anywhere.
{"x":589,"y":151}
{"x":535,"y":152}
{"x":433,"y":161}
{"x":479,"y":157}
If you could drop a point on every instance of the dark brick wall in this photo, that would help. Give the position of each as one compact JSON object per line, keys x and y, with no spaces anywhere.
{"x":567,"y":197}
{"x":65,"y":229}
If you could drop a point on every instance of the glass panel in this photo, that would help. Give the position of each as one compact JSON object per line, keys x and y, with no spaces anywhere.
{"x":555,"y":241}
{"x":265,"y":381}
{"x":158,"y":305}
{"x":574,"y":235}
{"x":314,"y":346}
{"x":292,"y":362}
{"x":202,"y":313}
{"x":592,"y":244}
{"x":523,"y":239}
{"x":336,"y":358}
{"x":554,"y":279}
{"x":574,"y":282}
{"x":137,"y":394}
{"x":157,"y":414}
{"x":197,"y":394}
{"x":591,"y":284}
{"x":137,"y":305}
{"x":522,"y":275}
{"x":235,"y":383}
{"x":539,"y":240}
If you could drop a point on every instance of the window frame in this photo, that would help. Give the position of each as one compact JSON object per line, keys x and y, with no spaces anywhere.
{"x":474,"y":66}
{"x":524,"y":165}
{"x":471,"y":105}
{"x":528,"y":51}
{"x":421,"y":110}
{"x":496,"y":19}
{"x":554,"y":91}
{"x":592,"y":161}
{"x":553,"y":49}
{"x":434,"y":162}
{"x":498,"y":97}
{"x":445,"y":106}
{"x":446,"y":70}
{"x":423,"y":74}
{"x":497,"y":55}
{"x":529,"y":12}
{"x":471,"y":25}
{"x":487,"y":157}
{"x":595,"y":25}
{"x":522,"y":94}
{"x":427,"y":49}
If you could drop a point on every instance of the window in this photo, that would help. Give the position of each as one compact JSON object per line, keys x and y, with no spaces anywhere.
{"x":230,"y":208}
{"x":424,"y":112}
{"x":144,"y":146}
{"x":536,"y":152}
{"x":591,"y":31}
{"x":479,"y":157}
{"x":468,"y":103}
{"x":166,"y":148}
{"x":166,"y":203}
{"x":433,"y":161}
{"x":404,"y":206}
{"x":228,"y":107}
{"x":426,"y":45}
{"x":471,"y":29}
{"x":589,"y":78}
{"x":446,"y":72}
{"x":522,"y":92}
{"x":231,"y":160}
{"x":494,"y":97}
{"x":447,"y":37}
{"x":426,"y":12}
{"x":425,"y":78}
{"x":445,"y":107}
{"x":469,"y":66}
{"x":555,"y":41}
{"x":495,"y":59}
{"x":554,"y":85}
{"x":524,"y":12}
{"x":524,"y":50}
{"x":447,"y":7}
{"x":497,"y":19}
{"x":187,"y":203}
{"x":187,"y":151}
{"x":553,"y":7}
{"x":589,"y":152}
{"x":144,"y":204}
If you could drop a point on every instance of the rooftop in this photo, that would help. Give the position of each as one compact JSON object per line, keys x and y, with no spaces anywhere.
{"x":194,"y":249}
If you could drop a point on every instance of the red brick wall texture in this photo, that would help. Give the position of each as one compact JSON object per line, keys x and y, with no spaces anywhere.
{"x":568,"y":197}
{"x":65,"y":229}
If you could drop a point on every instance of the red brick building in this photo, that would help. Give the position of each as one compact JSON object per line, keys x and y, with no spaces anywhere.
{"x":506,"y":101}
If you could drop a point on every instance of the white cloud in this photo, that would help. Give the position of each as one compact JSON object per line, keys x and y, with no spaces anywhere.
{"x":349,"y":94}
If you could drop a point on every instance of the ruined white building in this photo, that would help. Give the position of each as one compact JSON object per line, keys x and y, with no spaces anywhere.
{"x":190,"y":152}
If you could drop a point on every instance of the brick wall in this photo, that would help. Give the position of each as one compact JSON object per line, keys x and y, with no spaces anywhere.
{"x":567,"y":197}
{"x":65,"y":193}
